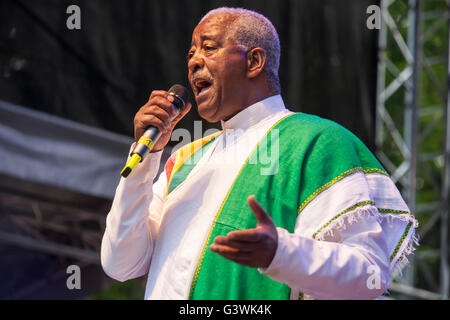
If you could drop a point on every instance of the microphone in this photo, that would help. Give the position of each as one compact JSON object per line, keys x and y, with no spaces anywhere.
{"x":151,"y":135}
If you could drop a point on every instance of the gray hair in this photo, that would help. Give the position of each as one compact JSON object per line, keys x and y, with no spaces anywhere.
{"x":250,"y":30}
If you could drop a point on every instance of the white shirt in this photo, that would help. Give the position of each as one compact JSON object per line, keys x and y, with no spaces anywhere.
{"x":147,"y":232}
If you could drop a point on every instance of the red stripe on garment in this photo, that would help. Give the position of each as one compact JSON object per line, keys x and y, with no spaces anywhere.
{"x":169,"y":166}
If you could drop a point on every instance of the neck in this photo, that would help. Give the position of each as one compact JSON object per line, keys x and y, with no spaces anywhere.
{"x":253,"y":96}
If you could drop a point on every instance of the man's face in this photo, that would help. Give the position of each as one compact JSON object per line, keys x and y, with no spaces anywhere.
{"x":217,"y":70}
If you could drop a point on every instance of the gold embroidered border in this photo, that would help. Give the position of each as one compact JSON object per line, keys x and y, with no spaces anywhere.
{"x":199,"y":266}
{"x":326,"y":186}
{"x":360,"y":204}
{"x":380,"y":210}
{"x":375,"y":170}
{"x":383,"y":210}
{"x":337,"y":179}
{"x":405,"y":234}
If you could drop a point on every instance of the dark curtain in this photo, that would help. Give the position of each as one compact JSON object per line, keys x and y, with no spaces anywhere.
{"x":100,"y":75}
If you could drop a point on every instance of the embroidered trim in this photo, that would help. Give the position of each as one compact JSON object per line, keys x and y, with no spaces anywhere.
{"x":412,"y":222}
{"x":199,"y":266}
{"x":383,"y":210}
{"x":407,"y":217}
{"x":353,"y":207}
{"x":337,"y":179}
{"x":405,"y":234}
{"x":380,"y":214}
{"x":408,"y":248}
{"x":375,"y":170}
{"x":326,"y":186}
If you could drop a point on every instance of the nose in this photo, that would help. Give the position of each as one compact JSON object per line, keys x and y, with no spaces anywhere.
{"x":195,"y":62}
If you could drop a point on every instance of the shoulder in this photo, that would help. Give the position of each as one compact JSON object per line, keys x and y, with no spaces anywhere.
{"x":312,"y":127}
{"x":323,"y":141}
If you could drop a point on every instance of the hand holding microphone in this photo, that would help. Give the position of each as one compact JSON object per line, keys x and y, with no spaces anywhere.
{"x":155,"y":121}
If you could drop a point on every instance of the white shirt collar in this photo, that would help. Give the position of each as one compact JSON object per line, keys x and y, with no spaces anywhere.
{"x":254,"y":113}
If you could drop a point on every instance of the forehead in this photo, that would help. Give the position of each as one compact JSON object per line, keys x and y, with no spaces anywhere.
{"x":212,"y":27}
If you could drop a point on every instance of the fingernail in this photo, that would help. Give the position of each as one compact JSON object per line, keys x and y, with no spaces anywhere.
{"x":170,"y":98}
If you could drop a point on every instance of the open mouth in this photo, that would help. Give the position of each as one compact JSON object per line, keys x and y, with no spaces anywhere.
{"x":201,"y":86}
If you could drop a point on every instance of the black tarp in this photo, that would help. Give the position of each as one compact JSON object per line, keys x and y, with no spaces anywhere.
{"x":46,"y":149}
{"x":100,"y":75}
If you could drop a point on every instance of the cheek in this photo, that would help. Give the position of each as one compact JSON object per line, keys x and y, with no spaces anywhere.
{"x":235,"y":70}
{"x":233,"y":81}
{"x":229,"y":76}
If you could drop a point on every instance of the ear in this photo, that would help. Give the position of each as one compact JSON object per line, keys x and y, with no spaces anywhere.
{"x":256,"y":60}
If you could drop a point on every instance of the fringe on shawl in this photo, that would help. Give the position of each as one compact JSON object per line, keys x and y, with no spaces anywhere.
{"x":399,"y":260}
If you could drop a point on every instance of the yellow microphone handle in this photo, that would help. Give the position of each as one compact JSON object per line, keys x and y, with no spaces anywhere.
{"x":143,"y":147}
{"x":131,"y":164}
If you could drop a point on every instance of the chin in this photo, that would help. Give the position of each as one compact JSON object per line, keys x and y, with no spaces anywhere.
{"x":208,"y":114}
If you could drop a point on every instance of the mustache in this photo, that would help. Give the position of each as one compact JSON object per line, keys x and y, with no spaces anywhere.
{"x":201,"y":75}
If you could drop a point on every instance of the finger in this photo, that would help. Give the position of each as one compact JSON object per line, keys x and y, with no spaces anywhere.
{"x":159,"y":112}
{"x":146,"y":121}
{"x":164,"y":102}
{"x":244,"y":246}
{"x":261,"y":215}
{"x":249,"y":235}
{"x":240,"y":258}
{"x":228,"y":252}
{"x":156,"y":93}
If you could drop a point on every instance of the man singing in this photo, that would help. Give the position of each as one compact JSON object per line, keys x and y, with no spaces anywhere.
{"x":318,"y":218}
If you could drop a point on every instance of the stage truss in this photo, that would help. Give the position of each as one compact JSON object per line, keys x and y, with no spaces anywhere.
{"x":412,"y":131}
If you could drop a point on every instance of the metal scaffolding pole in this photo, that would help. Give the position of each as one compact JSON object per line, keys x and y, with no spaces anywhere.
{"x":410,"y":118}
{"x":445,"y":276}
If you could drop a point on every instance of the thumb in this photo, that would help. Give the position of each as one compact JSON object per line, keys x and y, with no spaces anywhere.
{"x":261,"y":215}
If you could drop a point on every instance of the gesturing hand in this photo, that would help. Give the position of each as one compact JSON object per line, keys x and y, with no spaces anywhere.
{"x":252,"y":247}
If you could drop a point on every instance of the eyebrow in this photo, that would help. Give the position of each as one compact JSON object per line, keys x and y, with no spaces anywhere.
{"x":206,"y":37}
{"x":202,"y":38}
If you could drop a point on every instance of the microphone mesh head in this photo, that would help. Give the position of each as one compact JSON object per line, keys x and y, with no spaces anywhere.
{"x":180,"y":91}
